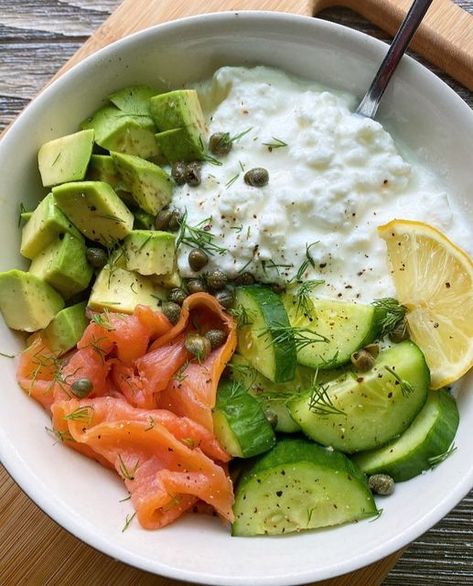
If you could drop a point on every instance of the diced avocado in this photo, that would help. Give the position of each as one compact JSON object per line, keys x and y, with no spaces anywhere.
{"x":66,"y":329}
{"x":150,"y":252}
{"x":96,"y":210}
{"x":180,"y":144}
{"x":133,"y":99}
{"x":120,"y":290}
{"x":124,"y":133}
{"x":65,"y":159}
{"x":63,"y":265}
{"x":180,"y":109}
{"x":150,"y":186}
{"x":102,"y":168}
{"x":143,"y":220}
{"x":170,"y":280}
{"x":26,"y":302}
{"x":45,"y":225}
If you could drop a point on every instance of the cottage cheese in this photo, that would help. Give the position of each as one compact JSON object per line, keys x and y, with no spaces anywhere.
{"x":333,"y":178}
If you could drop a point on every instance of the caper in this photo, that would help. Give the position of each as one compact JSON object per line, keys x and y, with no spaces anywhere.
{"x":197,"y":345}
{"x":161,"y":222}
{"x":399,"y":333}
{"x":245,"y":279}
{"x":178,"y":172}
{"x":362,"y":360}
{"x":175,"y":220}
{"x":225,"y":297}
{"x":216,"y":280}
{"x":257,"y":177}
{"x":82,"y":387}
{"x":196,"y":286}
{"x":193,"y":174}
{"x":172,"y":311}
{"x":372,"y":349}
{"x":97,"y":257}
{"x":177,"y":295}
{"x":198,"y":259}
{"x":220,"y":143}
{"x":216,"y":338}
{"x":381,"y":484}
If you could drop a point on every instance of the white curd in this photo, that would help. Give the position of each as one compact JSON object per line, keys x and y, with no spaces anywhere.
{"x":333,"y":179}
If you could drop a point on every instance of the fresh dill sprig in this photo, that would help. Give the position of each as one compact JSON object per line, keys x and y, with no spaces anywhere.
{"x":237,"y":229}
{"x":329,"y":363}
{"x":181,"y":373}
{"x":270,"y":264}
{"x":276,"y":144}
{"x":111,"y":217}
{"x":58,"y":156}
{"x":226,"y":139}
{"x":199,"y":236}
{"x":124,"y":471}
{"x":21,"y":211}
{"x":103,"y":320}
{"x":127,"y":498}
{"x":128,"y":520}
{"x":320,"y":401}
{"x":375,"y":516}
{"x":231,"y":181}
{"x":60,"y":436}
{"x":406,"y":387}
{"x":145,"y":242}
{"x":212,"y":160}
{"x":391,"y":314}
{"x":303,"y":293}
{"x":7,"y":355}
{"x":307,"y":262}
{"x":94,"y":345}
{"x":434,"y":461}
{"x":242,"y":315}
{"x":85,"y":414}
{"x":299,"y":336}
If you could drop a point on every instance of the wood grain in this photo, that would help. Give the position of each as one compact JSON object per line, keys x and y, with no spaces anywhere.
{"x":36,"y":38}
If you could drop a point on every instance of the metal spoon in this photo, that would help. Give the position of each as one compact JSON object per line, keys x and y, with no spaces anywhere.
{"x":369,"y":104}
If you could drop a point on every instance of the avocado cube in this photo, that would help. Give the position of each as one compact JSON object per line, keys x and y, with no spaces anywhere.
{"x":66,"y":158}
{"x":63,"y":265}
{"x":45,"y":225}
{"x":150,"y":252}
{"x":118,"y":289}
{"x":143,"y":220}
{"x":124,"y":133}
{"x":180,"y":109}
{"x":180,"y":144}
{"x":66,"y":329}
{"x":150,"y":186}
{"x":102,"y":168}
{"x":133,"y":99}
{"x":170,"y":280}
{"x":96,"y":210}
{"x":27,"y":302}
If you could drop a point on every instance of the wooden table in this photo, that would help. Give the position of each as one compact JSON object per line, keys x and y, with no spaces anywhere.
{"x":36,"y":39}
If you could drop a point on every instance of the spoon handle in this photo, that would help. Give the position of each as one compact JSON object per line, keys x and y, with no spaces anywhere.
{"x":369,"y":104}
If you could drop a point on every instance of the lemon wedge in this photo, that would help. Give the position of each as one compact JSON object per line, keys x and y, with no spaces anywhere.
{"x":434,"y":280}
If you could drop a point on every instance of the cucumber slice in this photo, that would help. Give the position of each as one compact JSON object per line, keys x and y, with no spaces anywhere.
{"x":273,"y":397}
{"x":361,"y":411}
{"x":259,"y":334}
{"x":347,"y":327}
{"x":428,"y":437}
{"x":299,"y":485}
{"x":240,"y":425}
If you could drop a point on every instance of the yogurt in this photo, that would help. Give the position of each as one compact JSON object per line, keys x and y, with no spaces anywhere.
{"x":333,"y":178}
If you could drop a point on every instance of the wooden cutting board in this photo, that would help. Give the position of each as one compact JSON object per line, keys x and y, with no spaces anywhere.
{"x":34,"y":549}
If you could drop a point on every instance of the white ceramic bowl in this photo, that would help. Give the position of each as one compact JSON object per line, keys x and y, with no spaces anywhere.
{"x":418,"y":109}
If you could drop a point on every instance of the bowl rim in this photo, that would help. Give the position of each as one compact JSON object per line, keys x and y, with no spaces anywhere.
{"x":17,"y":466}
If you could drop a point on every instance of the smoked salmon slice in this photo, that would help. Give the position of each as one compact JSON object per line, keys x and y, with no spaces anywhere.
{"x":149,"y":414}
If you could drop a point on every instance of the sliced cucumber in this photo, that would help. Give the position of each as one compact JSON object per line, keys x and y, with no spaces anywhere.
{"x":299,"y":485}
{"x":361,"y":411}
{"x":346,"y":327}
{"x":264,"y":335}
{"x":240,"y":424}
{"x":273,"y":397}
{"x":428,"y":437}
